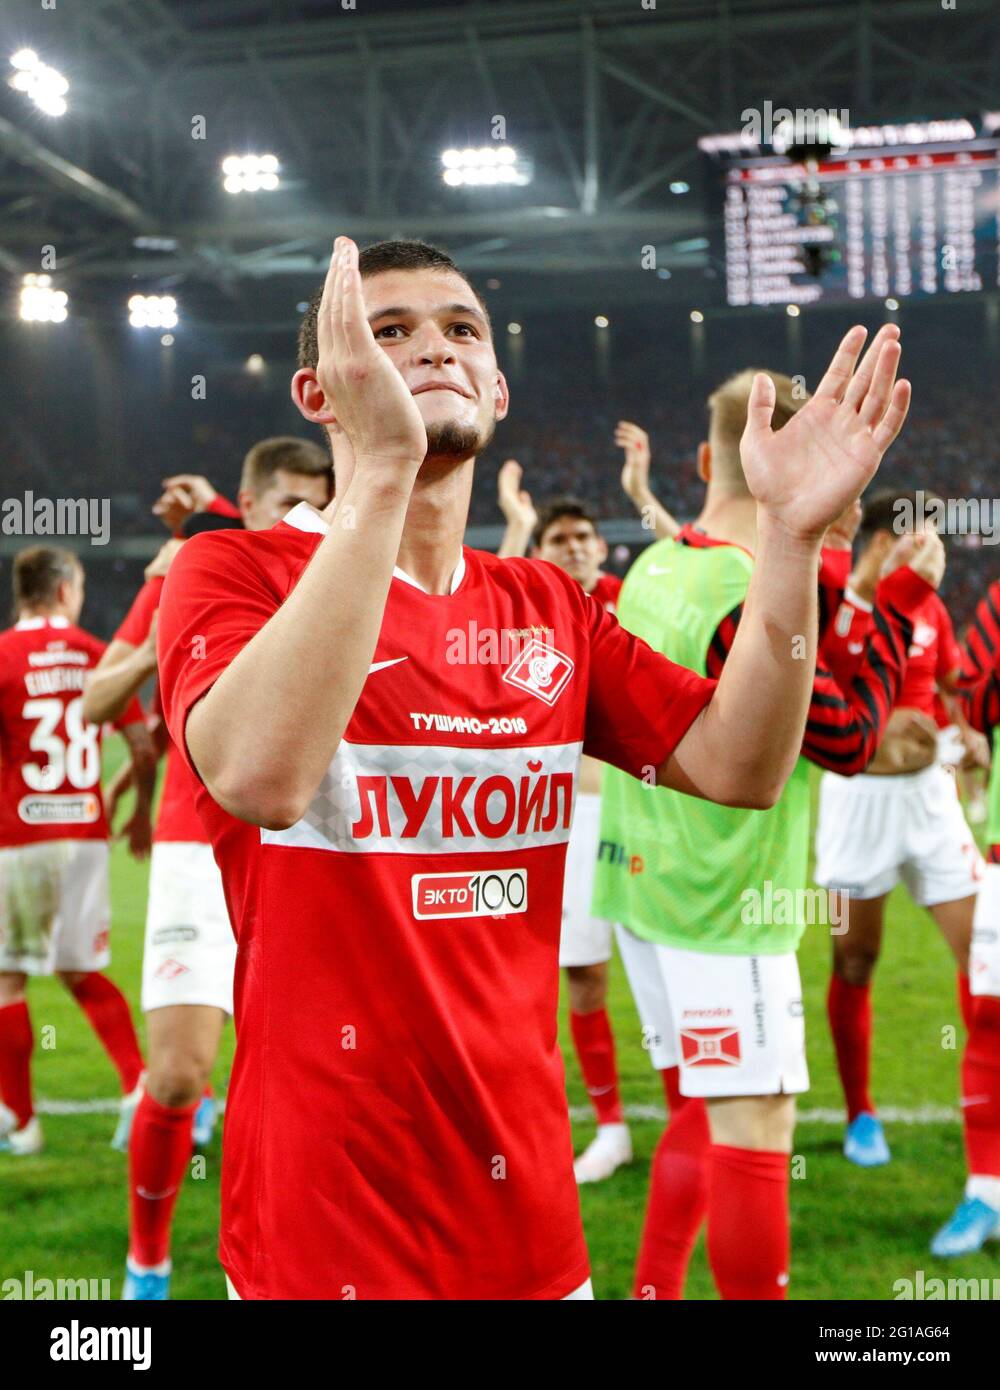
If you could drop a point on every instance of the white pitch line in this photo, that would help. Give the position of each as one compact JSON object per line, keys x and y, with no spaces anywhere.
{"x":638,"y":1114}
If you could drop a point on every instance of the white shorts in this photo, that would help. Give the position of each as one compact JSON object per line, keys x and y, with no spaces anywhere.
{"x":733,"y":1024}
{"x":55,"y":908}
{"x":584,"y":940}
{"x":874,"y":831}
{"x":190,"y":951}
{"x":984,"y":958}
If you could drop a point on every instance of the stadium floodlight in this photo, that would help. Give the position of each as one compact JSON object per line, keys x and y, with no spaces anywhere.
{"x":601,"y":321}
{"x":892,"y":305}
{"x":250,"y":173}
{"x":513,"y":329}
{"x":45,"y":86}
{"x":255,"y":364}
{"x":792,"y":310}
{"x":40,"y":303}
{"x":697,"y":316}
{"x":152,"y":311}
{"x":679,"y":186}
{"x":490,"y":166}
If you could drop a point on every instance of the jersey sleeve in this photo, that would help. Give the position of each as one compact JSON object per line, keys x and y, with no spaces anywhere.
{"x":949,"y":653}
{"x":982,"y":640}
{"x":221,"y":506}
{"x":214,"y":601}
{"x":834,"y":570}
{"x":639,"y":703}
{"x":135,"y":626}
{"x":842,"y":643}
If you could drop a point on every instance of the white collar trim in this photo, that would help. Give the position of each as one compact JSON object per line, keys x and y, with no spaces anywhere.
{"x":32,"y":624}
{"x":306,"y":518}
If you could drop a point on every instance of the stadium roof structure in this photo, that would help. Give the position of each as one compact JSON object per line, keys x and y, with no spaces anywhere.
{"x":607,"y":98}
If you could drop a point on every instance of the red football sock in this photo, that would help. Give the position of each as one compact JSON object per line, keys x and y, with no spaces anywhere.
{"x":595,"y":1047}
{"x":158,"y":1155}
{"x":965,"y":1000}
{"x":17,"y":1042}
{"x":748,"y":1224}
{"x":849,"y":1008}
{"x":981,"y":1087}
{"x":678,"y":1198}
{"x":672,"y":1089}
{"x":107,"y":1009}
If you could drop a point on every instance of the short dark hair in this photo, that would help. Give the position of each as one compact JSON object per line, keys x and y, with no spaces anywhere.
{"x":284,"y":451}
{"x":39,"y":571}
{"x":881,"y":510}
{"x":373,"y":260}
{"x":551,"y":512}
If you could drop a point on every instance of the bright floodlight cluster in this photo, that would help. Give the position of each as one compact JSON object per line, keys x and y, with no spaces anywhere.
{"x":250,"y":173}
{"x":490,"y":165}
{"x":40,"y":303}
{"x":152,"y":311}
{"x":46,"y":87}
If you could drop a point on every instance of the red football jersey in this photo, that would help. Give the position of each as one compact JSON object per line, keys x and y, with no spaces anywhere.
{"x":177,"y":818}
{"x":50,"y":759}
{"x":396,"y":1125}
{"x":934,"y":654}
{"x":606,"y":591}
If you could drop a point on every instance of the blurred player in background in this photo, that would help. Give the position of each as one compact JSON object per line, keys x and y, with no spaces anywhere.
{"x":566,"y":534}
{"x":187,"y":973}
{"x":901,"y":821}
{"x":709,"y":900}
{"x":977,"y":1217}
{"x":55,"y":910}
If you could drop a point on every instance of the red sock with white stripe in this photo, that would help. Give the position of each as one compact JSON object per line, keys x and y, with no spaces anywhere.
{"x":111,"y":1019}
{"x":981,"y":1098}
{"x":678,"y":1198}
{"x":158,"y":1155}
{"x":748,"y":1225}
{"x":849,"y":1009}
{"x":17,"y":1042}
{"x":595,"y":1047}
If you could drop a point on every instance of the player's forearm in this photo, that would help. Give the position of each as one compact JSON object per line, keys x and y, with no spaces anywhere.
{"x":654,"y":514}
{"x":264,"y":735}
{"x":742,"y":748}
{"x":515,"y":541}
{"x":142,"y":769}
{"x":108,"y":689}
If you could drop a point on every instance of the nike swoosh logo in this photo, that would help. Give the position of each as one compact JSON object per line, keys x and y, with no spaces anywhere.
{"x":381,"y":665}
{"x":155,"y":1196}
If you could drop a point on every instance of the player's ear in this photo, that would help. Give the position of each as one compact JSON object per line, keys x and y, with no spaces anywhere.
{"x":245,"y":500}
{"x":309,"y":398}
{"x":705,"y":461}
{"x":502,"y":396}
{"x":602,"y":549}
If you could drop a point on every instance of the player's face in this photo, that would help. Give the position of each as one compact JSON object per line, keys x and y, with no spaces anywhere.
{"x":430,"y":324}
{"x":285,"y":491}
{"x":574,"y":545}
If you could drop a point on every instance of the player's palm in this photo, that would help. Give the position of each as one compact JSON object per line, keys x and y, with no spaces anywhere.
{"x":809,"y":471}
{"x":369,"y":399}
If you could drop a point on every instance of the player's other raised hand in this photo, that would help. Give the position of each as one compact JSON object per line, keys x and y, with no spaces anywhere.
{"x":515,"y":502}
{"x":366,"y":396}
{"x":807,"y":473}
{"x":635,"y":471}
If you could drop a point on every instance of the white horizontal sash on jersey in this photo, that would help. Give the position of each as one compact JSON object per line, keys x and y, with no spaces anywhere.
{"x":415,"y":799}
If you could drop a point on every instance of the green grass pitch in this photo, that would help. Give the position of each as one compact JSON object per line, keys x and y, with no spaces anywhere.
{"x":63,"y":1214}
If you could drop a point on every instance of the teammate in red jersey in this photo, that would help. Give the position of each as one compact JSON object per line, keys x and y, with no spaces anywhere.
{"x":977,"y":1217}
{"x":391,"y":827}
{"x":902,"y":820}
{"x":55,"y":913}
{"x":566,"y":534}
{"x":189,"y":955}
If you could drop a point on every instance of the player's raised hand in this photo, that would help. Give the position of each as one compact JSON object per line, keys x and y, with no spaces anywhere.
{"x":923,"y":551}
{"x":805,"y":474}
{"x":366,"y":395}
{"x":635,"y":442}
{"x":515,"y":502}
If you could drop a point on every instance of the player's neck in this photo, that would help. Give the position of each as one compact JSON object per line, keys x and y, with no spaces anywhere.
{"x":726,"y":517}
{"x":30,"y":613}
{"x":431,"y":545}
